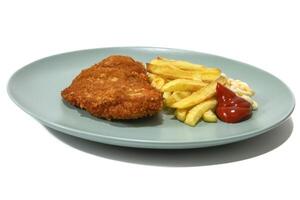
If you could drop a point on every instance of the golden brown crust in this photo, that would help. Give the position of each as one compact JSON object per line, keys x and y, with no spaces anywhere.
{"x":115,"y":88}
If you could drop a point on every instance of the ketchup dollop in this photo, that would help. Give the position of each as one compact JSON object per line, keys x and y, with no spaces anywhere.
{"x":231,"y":108}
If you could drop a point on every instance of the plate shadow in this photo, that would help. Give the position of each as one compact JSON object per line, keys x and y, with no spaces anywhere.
{"x":185,"y":157}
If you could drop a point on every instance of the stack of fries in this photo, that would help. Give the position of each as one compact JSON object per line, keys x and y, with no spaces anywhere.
{"x":187,"y":88}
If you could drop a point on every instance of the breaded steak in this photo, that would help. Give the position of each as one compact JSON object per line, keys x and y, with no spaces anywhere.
{"x":115,"y":88}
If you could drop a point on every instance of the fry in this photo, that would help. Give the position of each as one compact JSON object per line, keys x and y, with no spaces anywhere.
{"x":189,"y":89}
{"x":195,"y":114}
{"x":181,"y":114}
{"x":184,"y":65}
{"x":158,"y":82}
{"x":166,"y":94}
{"x":200,"y":95}
{"x":210,"y":116}
{"x":151,"y":76}
{"x":177,"y":63}
{"x":183,"y":85}
{"x":172,"y":72}
{"x":210,"y":76}
{"x":207,"y":74}
{"x":176,"y":96}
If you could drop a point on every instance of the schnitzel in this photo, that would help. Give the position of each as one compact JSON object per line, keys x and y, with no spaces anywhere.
{"x":115,"y":88}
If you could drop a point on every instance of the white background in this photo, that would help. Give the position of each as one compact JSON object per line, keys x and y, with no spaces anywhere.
{"x":38,"y":164}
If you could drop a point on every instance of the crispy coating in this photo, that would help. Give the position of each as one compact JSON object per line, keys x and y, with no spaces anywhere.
{"x":115,"y":88}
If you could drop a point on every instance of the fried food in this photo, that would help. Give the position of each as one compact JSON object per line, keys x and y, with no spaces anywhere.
{"x":183,"y":85}
{"x":195,"y":114}
{"x":115,"y":88}
{"x":177,"y":63}
{"x":189,"y":89}
{"x":158,"y":82}
{"x":180,"y":114}
{"x":175,"y":97}
{"x":200,"y":95}
{"x":171,"y":72}
{"x":210,"y":116}
{"x":208,"y":74}
{"x":167,"y":95}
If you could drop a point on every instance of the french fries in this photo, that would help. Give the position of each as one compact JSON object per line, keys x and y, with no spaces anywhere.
{"x":208,"y":77}
{"x":151,"y":77}
{"x":167,"y":94}
{"x":158,"y":82}
{"x":175,"y":97}
{"x":171,"y":72}
{"x":210,"y":116}
{"x":183,"y":85}
{"x":200,"y":95}
{"x":177,"y":63}
{"x":189,"y":89}
{"x":180,"y":114}
{"x":196,"y":112}
{"x":208,"y":74}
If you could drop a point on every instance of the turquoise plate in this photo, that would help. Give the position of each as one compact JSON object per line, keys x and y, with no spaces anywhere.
{"x":36,"y":89}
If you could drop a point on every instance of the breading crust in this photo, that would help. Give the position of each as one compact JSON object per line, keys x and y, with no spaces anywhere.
{"x":115,"y":88}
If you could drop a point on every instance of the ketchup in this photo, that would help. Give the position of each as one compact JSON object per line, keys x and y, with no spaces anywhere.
{"x":231,"y":108}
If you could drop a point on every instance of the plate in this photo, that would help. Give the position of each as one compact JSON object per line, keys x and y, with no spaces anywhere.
{"x":36,"y":89}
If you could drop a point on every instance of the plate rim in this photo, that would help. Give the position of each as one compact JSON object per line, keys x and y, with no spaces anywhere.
{"x":150,"y":143}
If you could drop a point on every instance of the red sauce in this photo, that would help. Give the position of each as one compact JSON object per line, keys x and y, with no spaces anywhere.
{"x":231,"y":108}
